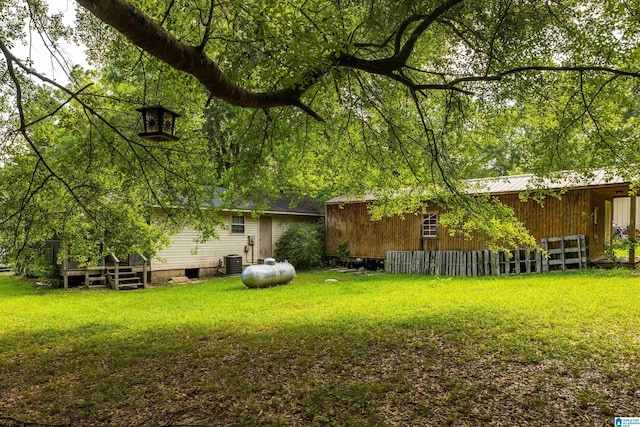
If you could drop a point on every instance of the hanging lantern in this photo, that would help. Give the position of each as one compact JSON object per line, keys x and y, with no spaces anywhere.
{"x":159,"y":123}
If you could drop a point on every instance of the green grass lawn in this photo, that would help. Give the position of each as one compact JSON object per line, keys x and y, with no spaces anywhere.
{"x":557,"y":349}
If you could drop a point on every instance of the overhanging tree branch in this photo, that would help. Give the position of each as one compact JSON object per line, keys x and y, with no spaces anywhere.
{"x":157,"y":41}
{"x":142,"y":31}
{"x":409,"y":45}
{"x":23,"y":130}
{"x":145,"y":33}
{"x":518,"y":70}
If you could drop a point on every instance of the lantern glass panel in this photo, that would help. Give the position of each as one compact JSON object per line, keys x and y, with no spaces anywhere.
{"x":152,"y":120}
{"x":168,"y":123}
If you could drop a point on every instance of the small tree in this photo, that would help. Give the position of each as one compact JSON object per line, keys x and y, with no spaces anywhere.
{"x":302,"y":245}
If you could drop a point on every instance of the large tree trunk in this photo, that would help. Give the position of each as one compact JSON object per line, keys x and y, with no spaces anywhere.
{"x":154,"y":39}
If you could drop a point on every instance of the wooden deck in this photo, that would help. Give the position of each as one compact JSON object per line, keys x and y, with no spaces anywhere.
{"x":603,"y":262}
{"x":112,"y":272}
{"x":109,"y":276}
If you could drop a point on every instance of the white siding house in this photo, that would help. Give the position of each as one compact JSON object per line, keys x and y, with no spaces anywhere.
{"x":252,"y":238}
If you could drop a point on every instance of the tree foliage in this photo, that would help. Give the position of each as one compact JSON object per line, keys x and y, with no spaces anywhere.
{"x":302,"y":245}
{"x":405,"y":99}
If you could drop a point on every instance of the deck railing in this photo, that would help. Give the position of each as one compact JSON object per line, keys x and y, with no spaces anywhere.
{"x":105,"y":272}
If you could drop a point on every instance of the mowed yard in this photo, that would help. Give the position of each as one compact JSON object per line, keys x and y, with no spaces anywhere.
{"x":556,"y":349}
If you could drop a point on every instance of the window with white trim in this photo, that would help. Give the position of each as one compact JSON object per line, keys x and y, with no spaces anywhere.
{"x":237,"y":224}
{"x":430,"y":225}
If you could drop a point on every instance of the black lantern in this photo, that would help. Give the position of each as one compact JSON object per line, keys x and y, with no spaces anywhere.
{"x":159,"y":123}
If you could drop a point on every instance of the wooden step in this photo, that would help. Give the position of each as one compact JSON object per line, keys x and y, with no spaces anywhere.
{"x":127,"y":286}
{"x":128,"y":279}
{"x":91,"y":281}
{"x":122,"y":270}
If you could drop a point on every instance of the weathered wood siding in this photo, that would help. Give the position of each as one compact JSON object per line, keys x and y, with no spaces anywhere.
{"x":565,"y":253}
{"x":597,"y":232}
{"x":369,"y":239}
{"x":569,"y":215}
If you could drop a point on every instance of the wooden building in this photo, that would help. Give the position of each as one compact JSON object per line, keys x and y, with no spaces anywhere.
{"x":584,"y":208}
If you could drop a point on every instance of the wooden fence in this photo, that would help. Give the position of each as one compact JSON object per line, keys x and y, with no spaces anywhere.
{"x":554,"y":254}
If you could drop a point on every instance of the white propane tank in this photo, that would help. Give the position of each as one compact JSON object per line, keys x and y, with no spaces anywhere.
{"x":270,"y":273}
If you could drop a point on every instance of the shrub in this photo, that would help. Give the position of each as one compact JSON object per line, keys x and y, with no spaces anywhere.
{"x":302,"y":245}
{"x":41,"y":267}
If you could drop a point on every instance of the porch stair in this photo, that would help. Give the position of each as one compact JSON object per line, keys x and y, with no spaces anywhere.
{"x":110,"y":273}
{"x":95,"y":281}
{"x":123,"y":279}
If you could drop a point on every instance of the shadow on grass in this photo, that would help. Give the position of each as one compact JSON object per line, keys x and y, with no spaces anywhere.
{"x":469,"y":367}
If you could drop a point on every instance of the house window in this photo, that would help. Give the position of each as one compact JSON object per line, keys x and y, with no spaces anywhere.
{"x":430,"y":225}
{"x":237,"y":225}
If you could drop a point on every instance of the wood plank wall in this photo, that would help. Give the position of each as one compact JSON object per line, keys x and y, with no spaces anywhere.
{"x":369,"y":239}
{"x":568,"y":215}
{"x":597,"y":232}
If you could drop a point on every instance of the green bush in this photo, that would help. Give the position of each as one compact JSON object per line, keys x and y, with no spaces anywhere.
{"x":302,"y":245}
{"x":41,"y":267}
